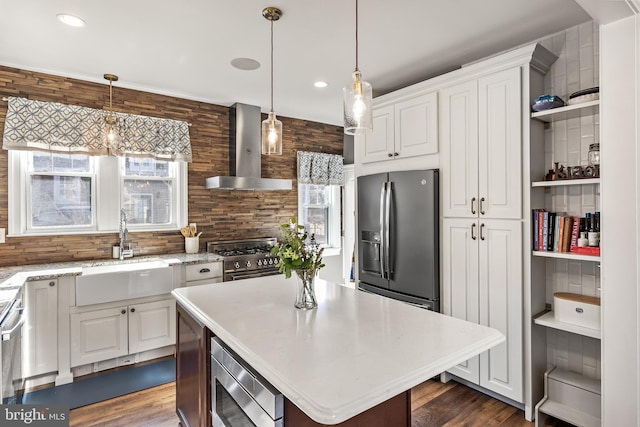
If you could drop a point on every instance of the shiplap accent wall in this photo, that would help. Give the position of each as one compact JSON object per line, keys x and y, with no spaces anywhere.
{"x":568,"y":142}
{"x":220,"y":214}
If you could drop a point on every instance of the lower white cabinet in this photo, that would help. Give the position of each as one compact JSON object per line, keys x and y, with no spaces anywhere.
{"x":104,"y":334}
{"x":40,"y":332}
{"x":482,"y":283}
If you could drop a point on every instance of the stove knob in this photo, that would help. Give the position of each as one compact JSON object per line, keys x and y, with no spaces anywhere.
{"x":248,"y":263}
{"x":270,"y":261}
{"x":259,"y":263}
{"x":236,"y":264}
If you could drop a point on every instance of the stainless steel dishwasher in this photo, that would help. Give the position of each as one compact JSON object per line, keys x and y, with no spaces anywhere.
{"x":11,"y":351}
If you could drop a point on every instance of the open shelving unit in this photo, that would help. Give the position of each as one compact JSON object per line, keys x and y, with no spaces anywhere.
{"x":570,"y":397}
{"x":566,"y":255}
{"x":547,"y":319}
{"x":565,"y":392}
{"x":568,"y":112}
{"x":565,"y":182}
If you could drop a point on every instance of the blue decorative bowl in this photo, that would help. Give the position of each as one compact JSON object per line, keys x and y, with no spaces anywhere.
{"x":546,"y":102}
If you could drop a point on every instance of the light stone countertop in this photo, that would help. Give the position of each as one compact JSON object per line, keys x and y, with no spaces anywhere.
{"x":13,"y":278}
{"x":354,"y":351}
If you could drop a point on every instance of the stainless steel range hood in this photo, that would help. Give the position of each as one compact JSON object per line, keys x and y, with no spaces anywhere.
{"x":244,"y":154}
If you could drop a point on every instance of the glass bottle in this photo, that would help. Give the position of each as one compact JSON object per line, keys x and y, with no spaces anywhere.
{"x":594,"y":235}
{"x":594,"y":154}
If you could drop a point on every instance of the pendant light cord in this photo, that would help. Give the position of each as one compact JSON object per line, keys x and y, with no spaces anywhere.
{"x":356,"y":35}
{"x":272,"y":66}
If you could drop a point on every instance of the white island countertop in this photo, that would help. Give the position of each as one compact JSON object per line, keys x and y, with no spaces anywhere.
{"x":354,"y":351}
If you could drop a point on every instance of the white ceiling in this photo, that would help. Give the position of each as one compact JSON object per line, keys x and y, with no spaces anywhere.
{"x":184,"y":48}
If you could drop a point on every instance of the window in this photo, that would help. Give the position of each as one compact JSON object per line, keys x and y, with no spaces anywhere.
{"x":60,"y":191}
{"x":319,"y":212}
{"x":147,"y":189}
{"x":52,"y":193}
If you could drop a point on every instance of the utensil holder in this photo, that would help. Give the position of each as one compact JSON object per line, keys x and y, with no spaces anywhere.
{"x":191,"y":245}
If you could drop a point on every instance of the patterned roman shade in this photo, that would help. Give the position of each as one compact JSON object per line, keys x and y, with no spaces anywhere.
{"x":49,"y":126}
{"x":320,"y":168}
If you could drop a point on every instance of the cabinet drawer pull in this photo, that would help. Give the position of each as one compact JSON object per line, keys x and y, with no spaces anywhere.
{"x":481,"y":231}
{"x":473,"y":202}
{"x":205,"y":270}
{"x":473,"y":231}
{"x":52,"y":283}
{"x":482,"y":205}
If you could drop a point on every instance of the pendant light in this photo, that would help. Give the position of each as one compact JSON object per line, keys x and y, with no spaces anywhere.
{"x":112,"y":138}
{"x":358,"y":97}
{"x":271,"y":127}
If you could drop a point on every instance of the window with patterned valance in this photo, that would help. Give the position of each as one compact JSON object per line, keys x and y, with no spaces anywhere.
{"x":54,"y":127}
{"x":320,"y":168}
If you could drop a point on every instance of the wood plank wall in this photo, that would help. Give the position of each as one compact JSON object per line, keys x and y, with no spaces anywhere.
{"x":220,"y":214}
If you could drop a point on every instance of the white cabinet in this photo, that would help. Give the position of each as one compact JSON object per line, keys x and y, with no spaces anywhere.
{"x":40,"y":333}
{"x":482,"y":276}
{"x":152,"y":325}
{"x":406,"y":128}
{"x":481,"y":132}
{"x":104,"y":334}
{"x":98,"y":335}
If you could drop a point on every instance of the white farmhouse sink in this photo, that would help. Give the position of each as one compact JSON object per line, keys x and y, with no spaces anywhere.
{"x":117,"y":282}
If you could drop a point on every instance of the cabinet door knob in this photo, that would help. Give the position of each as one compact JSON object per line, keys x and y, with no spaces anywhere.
{"x":482,"y":205}
{"x":473,"y":203}
{"x":473,"y":231}
{"x":481,"y":231}
{"x":389,"y":155}
{"x":52,"y":283}
{"x":395,"y":154}
{"x":123,"y":311}
{"x":133,"y":309}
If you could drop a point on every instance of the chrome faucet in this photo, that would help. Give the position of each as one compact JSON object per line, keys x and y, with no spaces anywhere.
{"x":124,"y":236}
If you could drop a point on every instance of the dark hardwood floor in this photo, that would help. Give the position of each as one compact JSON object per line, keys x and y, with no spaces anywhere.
{"x":433,"y":405}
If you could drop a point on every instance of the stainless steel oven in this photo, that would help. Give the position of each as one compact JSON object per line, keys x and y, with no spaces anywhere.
{"x":240,"y":397}
{"x":11,"y":352}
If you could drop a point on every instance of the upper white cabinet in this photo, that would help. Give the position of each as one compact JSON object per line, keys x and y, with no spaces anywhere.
{"x":404,"y":128}
{"x":481,"y":154}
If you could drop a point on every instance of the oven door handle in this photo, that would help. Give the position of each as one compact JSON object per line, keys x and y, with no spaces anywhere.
{"x":17,"y":307}
{"x":251,"y":275}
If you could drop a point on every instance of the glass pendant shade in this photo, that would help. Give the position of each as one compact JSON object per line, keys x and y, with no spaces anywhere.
{"x":112,"y":138}
{"x":358,"y":111}
{"x":272,"y":135}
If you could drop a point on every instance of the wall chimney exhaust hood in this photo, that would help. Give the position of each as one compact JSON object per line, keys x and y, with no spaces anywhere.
{"x":244,"y":154}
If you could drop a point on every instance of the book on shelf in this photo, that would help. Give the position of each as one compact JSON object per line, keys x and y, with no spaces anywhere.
{"x":575,"y":233}
{"x":586,"y":250}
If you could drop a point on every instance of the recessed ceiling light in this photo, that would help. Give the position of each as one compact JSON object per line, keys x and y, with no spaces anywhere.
{"x":321,"y":84}
{"x":70,"y":20}
{"x":245,"y":63}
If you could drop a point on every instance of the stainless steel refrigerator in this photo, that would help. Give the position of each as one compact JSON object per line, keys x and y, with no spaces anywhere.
{"x":398,"y":236}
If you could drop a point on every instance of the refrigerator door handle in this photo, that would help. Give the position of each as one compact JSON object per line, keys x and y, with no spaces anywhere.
{"x":387,"y":239}
{"x":383,"y":189}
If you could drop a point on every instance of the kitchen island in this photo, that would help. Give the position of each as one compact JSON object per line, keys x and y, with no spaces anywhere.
{"x":355,"y":352}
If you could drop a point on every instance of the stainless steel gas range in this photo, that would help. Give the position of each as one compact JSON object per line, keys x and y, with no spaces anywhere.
{"x":243,"y":259}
